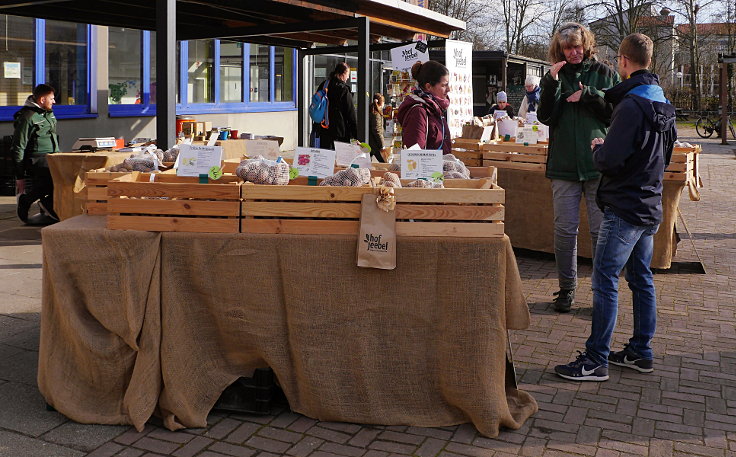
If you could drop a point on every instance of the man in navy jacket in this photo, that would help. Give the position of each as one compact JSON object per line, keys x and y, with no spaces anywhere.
{"x":632,"y":160}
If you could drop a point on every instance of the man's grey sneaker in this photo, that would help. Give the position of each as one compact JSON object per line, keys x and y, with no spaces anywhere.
{"x":24,"y":204}
{"x":564,"y":299}
{"x":49,"y":212}
{"x":582,"y":369}
{"x":630,"y":359}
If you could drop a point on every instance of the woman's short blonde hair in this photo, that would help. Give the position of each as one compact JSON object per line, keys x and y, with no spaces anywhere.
{"x":571,"y":34}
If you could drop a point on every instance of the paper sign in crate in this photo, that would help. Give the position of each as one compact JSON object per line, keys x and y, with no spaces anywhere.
{"x":515,"y":156}
{"x":174,"y":203}
{"x":95,"y":182}
{"x":475,"y":210}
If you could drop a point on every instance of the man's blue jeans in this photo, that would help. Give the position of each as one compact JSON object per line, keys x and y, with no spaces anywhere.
{"x":622,"y":244}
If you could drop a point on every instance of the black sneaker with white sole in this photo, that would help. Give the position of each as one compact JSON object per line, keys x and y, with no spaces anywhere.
{"x":583,"y":369}
{"x":630,"y":359}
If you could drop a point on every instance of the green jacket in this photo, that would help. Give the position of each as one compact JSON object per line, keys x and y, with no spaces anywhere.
{"x":34,"y":137}
{"x":572,"y":126}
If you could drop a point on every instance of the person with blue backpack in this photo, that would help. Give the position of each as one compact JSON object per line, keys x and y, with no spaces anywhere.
{"x":632,"y":160}
{"x":332,"y":110}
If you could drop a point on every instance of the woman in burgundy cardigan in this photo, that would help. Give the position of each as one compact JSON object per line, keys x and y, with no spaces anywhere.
{"x":423,"y":113}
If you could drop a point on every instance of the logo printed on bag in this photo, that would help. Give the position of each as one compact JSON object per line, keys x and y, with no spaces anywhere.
{"x":374,"y":243}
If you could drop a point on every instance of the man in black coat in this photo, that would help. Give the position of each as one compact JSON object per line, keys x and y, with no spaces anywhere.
{"x":632,"y":160}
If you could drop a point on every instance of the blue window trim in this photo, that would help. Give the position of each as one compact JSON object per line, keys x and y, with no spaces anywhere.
{"x":39,"y":76}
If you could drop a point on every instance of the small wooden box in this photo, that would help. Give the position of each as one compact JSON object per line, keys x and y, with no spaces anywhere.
{"x":95,"y":202}
{"x":174,"y":204}
{"x":515,"y":156}
{"x":468,"y":151}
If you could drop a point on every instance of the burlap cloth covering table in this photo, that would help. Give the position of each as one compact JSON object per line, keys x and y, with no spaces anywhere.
{"x":529,"y":216}
{"x":422,"y":345}
{"x":99,"y":357}
{"x":67,"y":171}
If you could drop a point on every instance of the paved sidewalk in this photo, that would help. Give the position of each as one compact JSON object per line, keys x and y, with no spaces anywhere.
{"x":686,"y":407}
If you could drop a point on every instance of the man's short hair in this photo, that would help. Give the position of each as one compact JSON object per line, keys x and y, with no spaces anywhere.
{"x":638,"y":48}
{"x":41,"y":90}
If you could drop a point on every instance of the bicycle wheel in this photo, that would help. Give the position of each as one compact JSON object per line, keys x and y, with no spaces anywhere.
{"x":733,"y":131}
{"x":704,"y":127}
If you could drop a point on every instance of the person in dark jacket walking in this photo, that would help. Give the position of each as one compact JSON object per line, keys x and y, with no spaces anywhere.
{"x":341,"y":111}
{"x":632,"y":160}
{"x":375,"y":135}
{"x":423,"y":113}
{"x":572,"y":105}
{"x":34,"y":137}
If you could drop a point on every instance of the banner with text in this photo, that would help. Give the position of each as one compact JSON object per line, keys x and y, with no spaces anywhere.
{"x":459,"y":61}
{"x":403,"y":57}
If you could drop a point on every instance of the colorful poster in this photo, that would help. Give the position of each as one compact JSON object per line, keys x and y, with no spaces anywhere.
{"x":459,"y":60}
{"x":314,"y":162}
{"x":403,"y":57}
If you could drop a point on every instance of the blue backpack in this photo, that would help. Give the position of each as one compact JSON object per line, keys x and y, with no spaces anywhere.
{"x":319,"y":107}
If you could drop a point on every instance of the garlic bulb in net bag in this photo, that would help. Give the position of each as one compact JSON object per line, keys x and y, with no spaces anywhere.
{"x":263,"y":171}
{"x":390,"y":180}
{"x":426,"y":184}
{"x":450,"y":163}
{"x":350,"y":177}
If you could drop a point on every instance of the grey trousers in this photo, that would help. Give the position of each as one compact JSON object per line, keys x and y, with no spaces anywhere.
{"x":566,"y":196}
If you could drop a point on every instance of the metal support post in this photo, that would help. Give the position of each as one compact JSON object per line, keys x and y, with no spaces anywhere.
{"x":165,"y":72}
{"x":301,"y":60}
{"x":364,"y":71}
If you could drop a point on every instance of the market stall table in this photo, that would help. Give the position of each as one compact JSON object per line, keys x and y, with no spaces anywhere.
{"x":422,"y":345}
{"x":68,"y":170}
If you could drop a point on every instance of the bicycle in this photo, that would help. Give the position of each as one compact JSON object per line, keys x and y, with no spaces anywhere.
{"x":705,"y":126}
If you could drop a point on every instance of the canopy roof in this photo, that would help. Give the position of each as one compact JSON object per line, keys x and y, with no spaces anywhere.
{"x":291,"y":23}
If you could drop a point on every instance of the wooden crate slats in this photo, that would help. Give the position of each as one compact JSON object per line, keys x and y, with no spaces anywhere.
{"x":178,"y":207}
{"x":516,"y":165}
{"x":300,"y":226}
{"x":173,"y":224}
{"x":514,"y":147}
{"x":465,"y":230}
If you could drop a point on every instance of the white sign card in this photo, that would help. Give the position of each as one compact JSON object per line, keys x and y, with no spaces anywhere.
{"x":314,"y":162}
{"x":527,"y":134}
{"x":346,"y":153}
{"x":269,"y":149}
{"x":11,"y":70}
{"x":214,"y":136}
{"x":459,"y":61}
{"x":507,"y":127}
{"x":487,"y":134}
{"x":195,"y":160}
{"x":403,"y":57}
{"x":531,"y":117}
{"x":499,"y":113}
{"x":421,"y":163}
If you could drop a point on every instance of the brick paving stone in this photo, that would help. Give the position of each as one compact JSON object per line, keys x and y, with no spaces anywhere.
{"x":302,"y":424}
{"x":268,"y":445}
{"x":305,"y":447}
{"x":266,"y":454}
{"x":363,"y":437}
{"x":401,"y":437}
{"x":341,"y":427}
{"x":229,"y":449}
{"x":191,"y":448}
{"x":154,"y":445}
{"x":243,"y":432}
{"x":284,"y":419}
{"x":131,"y":436}
{"x":108,"y":449}
{"x":465,"y":433}
{"x":342,"y":450}
{"x":392,"y":447}
{"x":280,"y":434}
{"x":329,"y":435}
{"x":430,"y":448}
{"x":431,"y":432}
{"x":211,"y":454}
{"x":694,"y":449}
{"x":175,"y":437}
{"x":323,"y":454}
{"x":222,"y":428}
{"x":129,"y":452}
{"x":472,"y":451}
{"x":375,"y":453}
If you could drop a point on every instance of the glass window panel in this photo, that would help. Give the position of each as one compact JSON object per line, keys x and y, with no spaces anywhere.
{"x":283,"y":72}
{"x":259,"y":76}
{"x":199,"y":67}
{"x":66,"y":61}
{"x":231,"y":72}
{"x":18,"y":57}
{"x":153,"y":70}
{"x":124,"y":66}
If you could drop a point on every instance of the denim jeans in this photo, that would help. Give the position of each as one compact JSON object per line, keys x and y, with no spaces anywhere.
{"x":622,"y":244}
{"x":566,"y":197}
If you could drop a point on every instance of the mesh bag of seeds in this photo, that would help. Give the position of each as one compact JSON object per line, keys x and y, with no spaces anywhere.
{"x":350,"y":177}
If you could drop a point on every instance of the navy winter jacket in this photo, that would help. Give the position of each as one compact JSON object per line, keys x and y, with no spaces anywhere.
{"x":637,"y":149}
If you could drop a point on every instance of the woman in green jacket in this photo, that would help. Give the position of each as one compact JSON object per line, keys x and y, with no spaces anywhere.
{"x":572,"y":105}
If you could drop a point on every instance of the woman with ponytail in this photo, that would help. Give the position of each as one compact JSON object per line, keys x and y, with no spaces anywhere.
{"x":423,"y":113}
{"x":375,"y":136}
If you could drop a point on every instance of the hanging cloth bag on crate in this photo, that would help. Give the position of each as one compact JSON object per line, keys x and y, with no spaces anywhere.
{"x":377,"y":236}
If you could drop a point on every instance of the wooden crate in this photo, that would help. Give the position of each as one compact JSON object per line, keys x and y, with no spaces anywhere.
{"x":468,"y":151}
{"x":473,"y":209}
{"x":682,"y":166}
{"x":95,"y":192}
{"x":174,"y":204}
{"x":515,"y":156}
